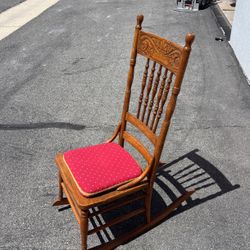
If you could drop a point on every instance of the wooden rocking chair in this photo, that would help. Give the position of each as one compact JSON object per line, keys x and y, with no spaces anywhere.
{"x":102,"y":174}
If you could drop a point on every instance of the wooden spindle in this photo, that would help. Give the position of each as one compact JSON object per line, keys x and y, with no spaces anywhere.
{"x":163,"y":81}
{"x":144,"y":80}
{"x":156,"y":83}
{"x":163,"y":100}
{"x":149,"y":87}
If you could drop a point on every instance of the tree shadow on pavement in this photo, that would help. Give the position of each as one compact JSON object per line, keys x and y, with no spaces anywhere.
{"x":41,"y":125}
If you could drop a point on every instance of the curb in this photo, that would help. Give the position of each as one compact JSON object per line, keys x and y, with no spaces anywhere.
{"x":19,"y":15}
{"x":11,"y":5}
{"x":222,"y":20}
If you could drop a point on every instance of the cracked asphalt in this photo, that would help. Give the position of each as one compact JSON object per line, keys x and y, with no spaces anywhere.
{"x":63,"y":77}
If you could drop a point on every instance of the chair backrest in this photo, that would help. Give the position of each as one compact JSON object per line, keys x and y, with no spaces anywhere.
{"x":164,"y":70}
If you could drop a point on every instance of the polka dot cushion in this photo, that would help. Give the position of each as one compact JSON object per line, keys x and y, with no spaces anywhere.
{"x":101,"y":167}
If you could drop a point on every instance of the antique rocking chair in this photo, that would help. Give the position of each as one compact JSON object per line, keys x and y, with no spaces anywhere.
{"x":102,"y":174}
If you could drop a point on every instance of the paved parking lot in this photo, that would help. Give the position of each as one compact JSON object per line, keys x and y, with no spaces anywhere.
{"x":62,"y":82}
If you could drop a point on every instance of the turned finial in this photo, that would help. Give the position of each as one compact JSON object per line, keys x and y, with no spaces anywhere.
{"x":189,"y":39}
{"x":139,"y":21}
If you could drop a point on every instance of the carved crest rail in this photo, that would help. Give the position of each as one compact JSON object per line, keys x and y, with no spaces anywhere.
{"x":160,"y":50}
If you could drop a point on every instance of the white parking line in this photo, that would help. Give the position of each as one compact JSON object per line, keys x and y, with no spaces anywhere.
{"x":14,"y":18}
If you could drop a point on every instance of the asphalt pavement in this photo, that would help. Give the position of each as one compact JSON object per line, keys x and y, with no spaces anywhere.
{"x":63,"y":77}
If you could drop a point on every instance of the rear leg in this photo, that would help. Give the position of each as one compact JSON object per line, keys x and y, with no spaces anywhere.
{"x":60,"y":200}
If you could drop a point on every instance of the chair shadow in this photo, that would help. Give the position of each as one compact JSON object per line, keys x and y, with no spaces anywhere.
{"x":172,"y":181}
{"x":41,"y":125}
{"x":200,"y":175}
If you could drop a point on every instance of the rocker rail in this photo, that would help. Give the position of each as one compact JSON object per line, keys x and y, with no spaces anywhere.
{"x":145,"y":227}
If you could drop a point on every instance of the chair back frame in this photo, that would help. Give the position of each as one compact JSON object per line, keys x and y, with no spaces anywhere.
{"x":174,"y":59}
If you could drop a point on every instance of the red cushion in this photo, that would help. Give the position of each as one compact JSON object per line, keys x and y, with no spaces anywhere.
{"x":101,"y":167}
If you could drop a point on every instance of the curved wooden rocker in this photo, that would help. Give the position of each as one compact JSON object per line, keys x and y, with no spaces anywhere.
{"x":104,"y":173}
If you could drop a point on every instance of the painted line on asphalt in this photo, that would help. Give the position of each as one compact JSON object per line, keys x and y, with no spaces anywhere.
{"x":16,"y":17}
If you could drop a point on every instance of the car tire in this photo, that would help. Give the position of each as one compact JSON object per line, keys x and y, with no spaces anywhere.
{"x":203,"y":3}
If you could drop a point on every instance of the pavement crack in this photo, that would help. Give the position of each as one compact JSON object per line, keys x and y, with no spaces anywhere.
{"x":42,"y":125}
{"x":101,"y":127}
{"x":212,"y":127}
{"x":84,"y":71}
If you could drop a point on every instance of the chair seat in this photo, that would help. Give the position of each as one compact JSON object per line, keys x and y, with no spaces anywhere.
{"x":101,"y":167}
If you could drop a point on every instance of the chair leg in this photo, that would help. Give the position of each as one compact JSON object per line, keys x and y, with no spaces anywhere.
{"x":60,"y":200}
{"x":148,"y":200}
{"x":84,"y":229}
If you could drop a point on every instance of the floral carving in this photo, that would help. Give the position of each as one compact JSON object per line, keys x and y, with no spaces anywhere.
{"x":159,"y":49}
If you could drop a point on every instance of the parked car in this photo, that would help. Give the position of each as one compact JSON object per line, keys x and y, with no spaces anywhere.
{"x":203,"y":3}
{"x":191,"y":3}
